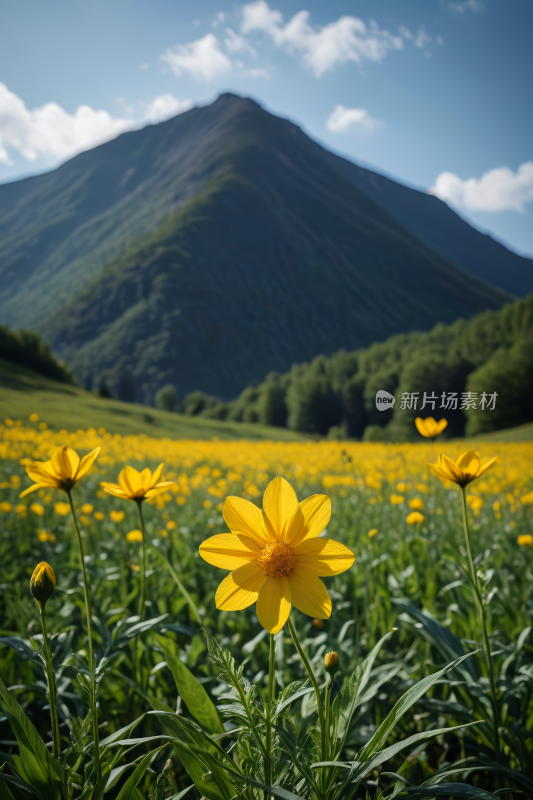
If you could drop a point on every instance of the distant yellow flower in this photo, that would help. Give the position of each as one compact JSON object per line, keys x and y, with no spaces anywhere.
{"x":85,"y":520}
{"x":86,"y":508}
{"x":414,"y":518}
{"x":171,"y":525}
{"x":63,"y":471}
{"x":181,"y":500}
{"x":116,"y":516}
{"x":416,"y":504}
{"x":525,"y":539}
{"x":276,"y":556}
{"x":6,"y":507}
{"x":37,"y":508}
{"x":45,"y":536}
{"x":134,"y":485}
{"x":134,"y":536}
{"x":62,"y":508}
{"x":466,"y":469}
{"x":34,"y":417}
{"x":474,"y":502}
{"x":373,"y":532}
{"x":207,"y":504}
{"x":429,"y":427}
{"x":396,"y":499}
{"x":43,"y":582}
{"x":527,"y":499}
{"x":99,"y":516}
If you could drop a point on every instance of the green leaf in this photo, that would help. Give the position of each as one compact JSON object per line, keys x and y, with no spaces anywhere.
{"x":23,"y":647}
{"x":137,"y":776}
{"x":178,"y":583}
{"x":461,"y":791}
{"x":472,"y":764}
{"x":5,"y":791}
{"x":191,"y":691}
{"x":401,"y":706}
{"x":275,"y":791}
{"x":346,"y":701}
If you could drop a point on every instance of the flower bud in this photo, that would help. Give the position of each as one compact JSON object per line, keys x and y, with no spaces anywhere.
{"x":43,"y":582}
{"x":318,"y":624}
{"x":331,"y":663}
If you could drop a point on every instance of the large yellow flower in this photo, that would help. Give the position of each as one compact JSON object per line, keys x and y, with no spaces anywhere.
{"x":275,"y":556}
{"x":463,"y":471}
{"x":63,"y":471}
{"x":134,"y":485}
{"x":429,"y":427}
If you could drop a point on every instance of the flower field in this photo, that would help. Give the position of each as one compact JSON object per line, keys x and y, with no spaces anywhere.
{"x":405,"y":528}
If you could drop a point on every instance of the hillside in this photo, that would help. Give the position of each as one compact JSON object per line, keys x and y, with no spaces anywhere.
{"x":212,"y":248}
{"x":491,"y":353}
{"x":60,"y":405}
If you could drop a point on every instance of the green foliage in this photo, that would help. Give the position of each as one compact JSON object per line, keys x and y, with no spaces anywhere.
{"x":26,"y":349}
{"x":167,"y":398}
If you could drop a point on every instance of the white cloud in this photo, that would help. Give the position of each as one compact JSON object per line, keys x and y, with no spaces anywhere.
{"x":468,"y":5}
{"x":341,"y":119}
{"x":203,"y":58}
{"x":164,"y":107}
{"x":347,"y":39}
{"x":499,"y":189}
{"x":51,"y":133}
{"x":422,"y":39}
{"x":258,"y":73}
{"x":237,"y":44}
{"x":220,"y":17}
{"x":145,"y":65}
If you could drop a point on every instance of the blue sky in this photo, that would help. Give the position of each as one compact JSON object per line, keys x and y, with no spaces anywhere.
{"x":434,"y":93}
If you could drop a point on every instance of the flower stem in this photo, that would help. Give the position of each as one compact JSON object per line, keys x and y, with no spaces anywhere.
{"x":482,"y":611}
{"x":271,"y":682}
{"x":94,"y":711}
{"x":52,"y":696}
{"x":311,"y":674}
{"x":142,"y":607}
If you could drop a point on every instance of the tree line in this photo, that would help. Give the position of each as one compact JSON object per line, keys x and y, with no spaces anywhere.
{"x":335,"y":396}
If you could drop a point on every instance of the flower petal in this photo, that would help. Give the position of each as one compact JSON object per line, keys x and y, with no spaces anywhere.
{"x":229,"y":550}
{"x":117,"y":491}
{"x":280,"y":504}
{"x":309,"y":594}
{"x":314,"y":517}
{"x":86,"y":463}
{"x":274,"y":603}
{"x":450,"y":469}
{"x":156,"y":475}
{"x":130,"y":482}
{"x":65,"y":462}
{"x":323,"y":557}
{"x":441,"y":425}
{"x":159,"y":489}
{"x":469,"y":464}
{"x":240,"y":588}
{"x":486,"y":466}
{"x":40,"y":476}
{"x":242,"y":516}
{"x":31,"y":489}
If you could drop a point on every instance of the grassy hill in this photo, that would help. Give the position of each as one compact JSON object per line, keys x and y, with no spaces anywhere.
{"x":224,"y":243}
{"x":24,"y":392}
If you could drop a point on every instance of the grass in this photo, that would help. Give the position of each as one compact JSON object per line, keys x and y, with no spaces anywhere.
{"x":24,"y":392}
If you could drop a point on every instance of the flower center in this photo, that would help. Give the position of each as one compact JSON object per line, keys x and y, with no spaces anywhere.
{"x":277,"y":559}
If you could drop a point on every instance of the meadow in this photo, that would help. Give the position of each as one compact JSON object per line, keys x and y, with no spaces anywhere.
{"x":402,"y":523}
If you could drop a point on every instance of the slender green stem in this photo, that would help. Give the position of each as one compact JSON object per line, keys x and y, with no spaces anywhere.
{"x":327,"y":705}
{"x":94,"y":711}
{"x":311,"y":674}
{"x":268,"y":741}
{"x":52,"y":695}
{"x":142,"y":606}
{"x":482,"y":611}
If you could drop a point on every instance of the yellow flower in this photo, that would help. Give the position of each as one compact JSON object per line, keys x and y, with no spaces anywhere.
{"x":525,"y":539}
{"x":37,"y":508}
{"x":34,"y":417}
{"x":43,"y":582}
{"x":331,"y":663}
{"x":527,"y":499}
{"x":62,"y":508}
{"x":429,"y":427}
{"x":116,"y":516}
{"x":45,"y":536}
{"x":99,"y":516}
{"x":466,"y":469}
{"x":171,"y":525}
{"x":396,"y":499}
{"x":63,"y":471}
{"x":133,"y":485}
{"x":276,"y":556}
{"x":181,"y":500}
{"x":414,"y":517}
{"x":6,"y":507}
{"x":86,"y":508}
{"x":207,"y":504}
{"x":85,"y":520}
{"x":416,"y":504}
{"x":134,"y":536}
{"x":373,"y":532}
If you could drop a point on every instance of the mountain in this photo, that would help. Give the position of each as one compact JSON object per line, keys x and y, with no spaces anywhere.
{"x":209,"y":249}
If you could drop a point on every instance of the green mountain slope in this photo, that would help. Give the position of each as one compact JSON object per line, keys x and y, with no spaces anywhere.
{"x":209,"y":249}
{"x":24,"y":392}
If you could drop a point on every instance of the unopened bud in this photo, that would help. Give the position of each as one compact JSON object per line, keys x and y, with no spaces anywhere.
{"x":318,"y":624}
{"x":331,"y":663}
{"x":43,"y":582}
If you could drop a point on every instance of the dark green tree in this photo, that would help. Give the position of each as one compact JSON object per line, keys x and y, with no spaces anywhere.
{"x":167,"y":398}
